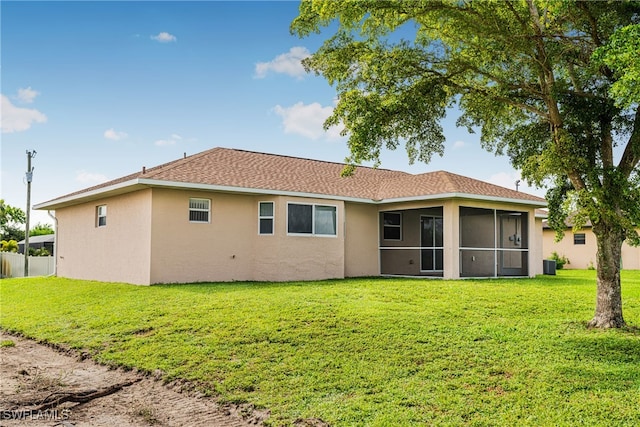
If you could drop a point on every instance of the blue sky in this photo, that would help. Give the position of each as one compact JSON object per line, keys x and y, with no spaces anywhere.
{"x":100,"y":89}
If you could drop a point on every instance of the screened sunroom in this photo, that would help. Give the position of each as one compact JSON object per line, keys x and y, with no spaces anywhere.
{"x":464,"y":242}
{"x":493,"y":243}
{"x":411,"y":242}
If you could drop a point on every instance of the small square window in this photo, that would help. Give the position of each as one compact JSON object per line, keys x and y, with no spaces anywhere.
{"x":579,"y":239}
{"x":392,"y":222}
{"x":199,"y":210}
{"x":101,"y":216}
{"x":265,"y":217}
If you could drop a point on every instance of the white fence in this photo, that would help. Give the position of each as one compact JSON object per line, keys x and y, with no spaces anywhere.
{"x":12,"y":265}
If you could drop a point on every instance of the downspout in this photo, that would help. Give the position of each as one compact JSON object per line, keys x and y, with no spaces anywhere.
{"x":55,"y":244}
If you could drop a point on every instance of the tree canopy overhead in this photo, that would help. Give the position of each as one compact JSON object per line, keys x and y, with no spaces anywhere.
{"x":552,"y":84}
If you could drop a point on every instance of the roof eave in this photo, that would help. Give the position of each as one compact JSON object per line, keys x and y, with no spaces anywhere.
{"x":456,"y":195}
{"x":98,"y":193}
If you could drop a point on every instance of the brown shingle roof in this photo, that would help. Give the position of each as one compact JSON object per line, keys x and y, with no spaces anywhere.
{"x":246,"y":170}
{"x":442,"y":182}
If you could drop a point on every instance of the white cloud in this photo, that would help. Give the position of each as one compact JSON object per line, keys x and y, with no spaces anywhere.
{"x":90,"y":177}
{"x":164,"y":37}
{"x":26,"y":96}
{"x":286,"y":63}
{"x":114,"y":135}
{"x":459,"y":144}
{"x":16,"y":119}
{"x":172,"y":140}
{"x":307,"y":120}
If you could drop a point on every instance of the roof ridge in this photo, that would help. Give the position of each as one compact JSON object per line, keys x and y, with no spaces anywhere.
{"x":447,"y":176}
{"x":407,"y":175}
{"x":310,"y":159}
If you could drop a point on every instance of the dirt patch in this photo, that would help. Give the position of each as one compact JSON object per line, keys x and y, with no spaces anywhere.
{"x":40,"y":386}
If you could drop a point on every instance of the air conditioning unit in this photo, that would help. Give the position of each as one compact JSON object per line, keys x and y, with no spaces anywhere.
{"x":549,"y":267}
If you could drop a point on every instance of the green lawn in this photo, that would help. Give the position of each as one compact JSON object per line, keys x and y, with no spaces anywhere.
{"x":374,"y":352}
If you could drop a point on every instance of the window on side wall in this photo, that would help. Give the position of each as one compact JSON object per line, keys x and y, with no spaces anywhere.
{"x":392,"y":222}
{"x":318,"y":220}
{"x":101,"y":216}
{"x":579,"y":239}
{"x":199,"y":210}
{"x":265,"y":217}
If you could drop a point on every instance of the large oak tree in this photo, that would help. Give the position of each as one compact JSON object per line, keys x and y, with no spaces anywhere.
{"x":546,"y":82}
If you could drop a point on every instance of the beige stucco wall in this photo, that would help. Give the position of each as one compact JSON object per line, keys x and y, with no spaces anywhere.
{"x":283,"y":257}
{"x":183,"y":251}
{"x":584,"y":256}
{"x":537,"y":256}
{"x":229,"y":248}
{"x":118,"y":252}
{"x":149,"y":239}
{"x":361,"y":240}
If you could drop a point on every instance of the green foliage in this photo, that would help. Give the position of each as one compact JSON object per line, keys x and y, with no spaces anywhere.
{"x":41,"y":230}
{"x":10,"y":218}
{"x":374,"y":352}
{"x":7,"y":343}
{"x":621,"y":56}
{"x":12,"y":232}
{"x":521,"y":72}
{"x":513,"y":69}
{"x":10,"y":214}
{"x":560,"y":260}
{"x":8,"y":246}
{"x":39,"y":252}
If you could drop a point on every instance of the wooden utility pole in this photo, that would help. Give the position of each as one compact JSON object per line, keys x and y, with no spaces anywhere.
{"x":30,"y":155}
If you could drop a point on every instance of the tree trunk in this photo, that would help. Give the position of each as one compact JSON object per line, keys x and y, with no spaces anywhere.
{"x":609,"y":293}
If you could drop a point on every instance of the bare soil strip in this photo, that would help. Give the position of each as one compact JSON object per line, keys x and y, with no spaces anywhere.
{"x":41,"y":386}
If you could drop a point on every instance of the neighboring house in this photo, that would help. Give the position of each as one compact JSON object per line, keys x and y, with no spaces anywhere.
{"x":46,"y":241}
{"x":226,"y":215}
{"x":580,"y":248}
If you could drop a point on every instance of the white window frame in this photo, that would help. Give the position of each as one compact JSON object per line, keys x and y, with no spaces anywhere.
{"x":272,"y":217}
{"x":101,"y":213}
{"x":207,"y":210}
{"x":392,"y":226}
{"x":313,"y":220}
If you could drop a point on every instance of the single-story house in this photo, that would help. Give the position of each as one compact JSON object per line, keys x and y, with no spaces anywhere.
{"x":46,"y":241}
{"x":580,"y":248}
{"x":227,"y":215}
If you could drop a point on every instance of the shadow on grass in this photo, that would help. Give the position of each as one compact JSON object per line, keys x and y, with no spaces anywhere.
{"x":599,"y":360}
{"x":611,"y":346}
{"x":209,"y":286}
{"x":205,"y":287}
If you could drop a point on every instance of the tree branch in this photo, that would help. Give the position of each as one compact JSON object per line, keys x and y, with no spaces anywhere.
{"x":631,"y":156}
{"x":583,"y":5}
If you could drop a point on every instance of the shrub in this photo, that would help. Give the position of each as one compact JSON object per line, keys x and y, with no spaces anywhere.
{"x":9,"y":246}
{"x":39,"y":252}
{"x":560,"y":260}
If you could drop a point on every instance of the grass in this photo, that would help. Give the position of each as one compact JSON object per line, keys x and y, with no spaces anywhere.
{"x":372,"y":352}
